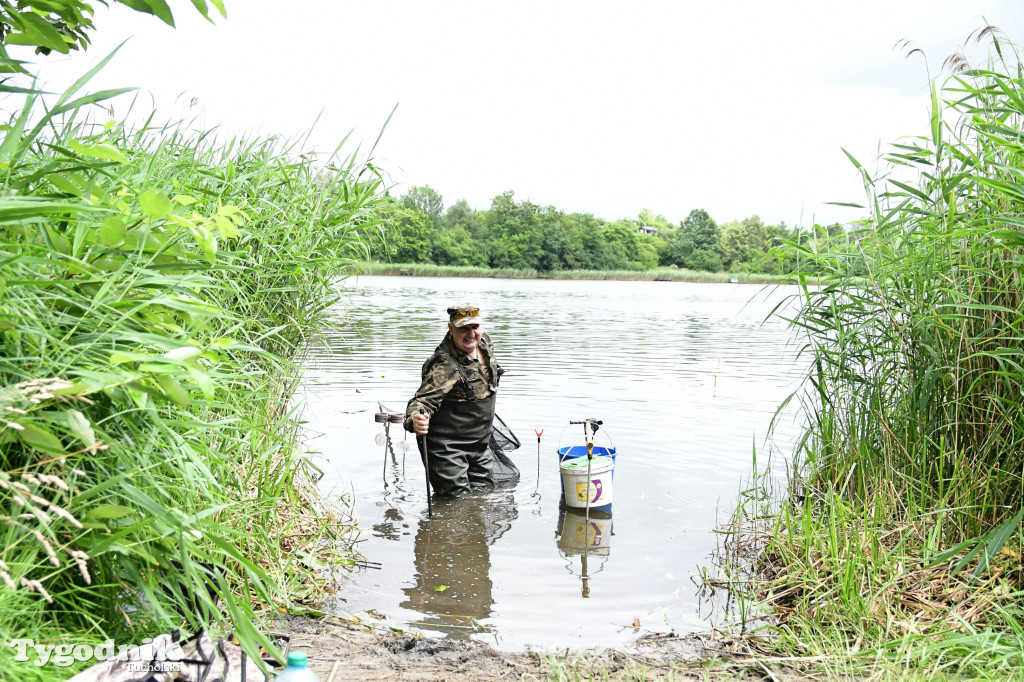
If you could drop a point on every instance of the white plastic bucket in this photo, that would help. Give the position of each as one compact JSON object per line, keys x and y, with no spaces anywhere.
{"x":577,"y":487}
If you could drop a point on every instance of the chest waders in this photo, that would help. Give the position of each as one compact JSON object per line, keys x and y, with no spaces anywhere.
{"x":459,"y":432}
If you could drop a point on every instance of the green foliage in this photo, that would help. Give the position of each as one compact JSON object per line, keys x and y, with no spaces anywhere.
{"x":64,"y":25}
{"x":427,"y":201}
{"x":515,"y":233}
{"x":648,"y":218}
{"x":455,"y":243}
{"x":461,"y":214}
{"x":155,"y":290}
{"x":745,"y":241}
{"x":620,"y":245}
{"x":521,"y":235}
{"x":698,"y":232}
{"x":703,"y":259}
{"x":456,"y":246}
{"x":585,"y":249}
{"x":407,"y":234}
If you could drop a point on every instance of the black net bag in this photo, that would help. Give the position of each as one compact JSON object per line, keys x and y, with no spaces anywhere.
{"x":503,"y":441}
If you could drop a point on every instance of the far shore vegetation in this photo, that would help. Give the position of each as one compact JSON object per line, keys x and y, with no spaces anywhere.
{"x":655,"y":275}
{"x":519,"y":236}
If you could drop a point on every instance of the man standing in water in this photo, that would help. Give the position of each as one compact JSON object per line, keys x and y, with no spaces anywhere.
{"x":457,"y":397}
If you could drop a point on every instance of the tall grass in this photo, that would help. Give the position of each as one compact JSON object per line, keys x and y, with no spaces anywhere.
{"x":156,"y":285}
{"x":901,"y":543}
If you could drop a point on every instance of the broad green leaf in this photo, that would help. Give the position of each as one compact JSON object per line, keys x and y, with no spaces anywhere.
{"x":157,"y":8}
{"x":209,"y":246}
{"x":106,"y":152}
{"x":161,"y":10}
{"x":185,"y":200}
{"x":158,"y":368}
{"x":41,"y":439}
{"x":185,"y":353}
{"x":119,"y":357}
{"x":155,"y":204}
{"x":110,"y":511}
{"x":226,"y":227}
{"x":61,"y":182}
{"x":109,"y":263}
{"x":58,"y":240}
{"x":83,"y":387}
{"x":112,"y":231}
{"x":204,"y":381}
{"x":41,"y":32}
{"x":173,"y":389}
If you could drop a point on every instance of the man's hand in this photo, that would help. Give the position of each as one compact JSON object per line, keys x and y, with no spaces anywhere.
{"x":421,"y":424}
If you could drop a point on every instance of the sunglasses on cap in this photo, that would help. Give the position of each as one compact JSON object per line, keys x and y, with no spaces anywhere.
{"x":462,"y":314}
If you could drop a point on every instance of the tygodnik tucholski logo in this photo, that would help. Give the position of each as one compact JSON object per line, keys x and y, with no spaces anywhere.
{"x":146,"y":657}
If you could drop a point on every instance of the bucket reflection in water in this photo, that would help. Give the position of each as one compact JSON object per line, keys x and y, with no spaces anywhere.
{"x":452,"y":557}
{"x":588,"y":537}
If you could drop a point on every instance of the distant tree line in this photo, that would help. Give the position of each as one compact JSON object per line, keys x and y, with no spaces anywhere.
{"x":416,"y":228}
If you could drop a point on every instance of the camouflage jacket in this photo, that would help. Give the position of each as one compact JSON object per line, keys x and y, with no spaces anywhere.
{"x":443,"y":380}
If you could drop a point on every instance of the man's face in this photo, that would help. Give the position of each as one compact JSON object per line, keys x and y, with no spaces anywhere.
{"x":466,"y":337}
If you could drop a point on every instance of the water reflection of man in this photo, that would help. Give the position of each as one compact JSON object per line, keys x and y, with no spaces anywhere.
{"x":453,"y":561}
{"x":457,"y":397}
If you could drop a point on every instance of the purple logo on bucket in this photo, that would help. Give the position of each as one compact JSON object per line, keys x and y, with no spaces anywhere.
{"x":593,"y":490}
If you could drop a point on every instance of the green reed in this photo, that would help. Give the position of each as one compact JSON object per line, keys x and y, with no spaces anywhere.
{"x":156,"y":289}
{"x":900,"y":544}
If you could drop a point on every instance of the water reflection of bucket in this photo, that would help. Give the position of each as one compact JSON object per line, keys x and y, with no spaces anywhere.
{"x":578,"y":533}
{"x":579,"y":487}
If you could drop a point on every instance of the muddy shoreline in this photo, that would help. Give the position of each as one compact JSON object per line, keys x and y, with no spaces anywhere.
{"x":350,"y":650}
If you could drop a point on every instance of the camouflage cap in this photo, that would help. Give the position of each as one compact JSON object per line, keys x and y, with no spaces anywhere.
{"x":461,"y":314}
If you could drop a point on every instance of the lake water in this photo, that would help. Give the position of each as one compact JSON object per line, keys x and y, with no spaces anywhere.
{"x":686,"y":378}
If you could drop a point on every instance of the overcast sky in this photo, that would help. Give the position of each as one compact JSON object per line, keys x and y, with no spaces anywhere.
{"x":606,"y":108}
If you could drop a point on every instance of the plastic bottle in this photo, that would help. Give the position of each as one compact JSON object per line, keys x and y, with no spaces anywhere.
{"x":296,"y":670}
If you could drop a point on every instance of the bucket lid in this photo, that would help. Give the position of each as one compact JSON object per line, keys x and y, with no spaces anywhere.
{"x":580,"y":464}
{"x":579,"y":450}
